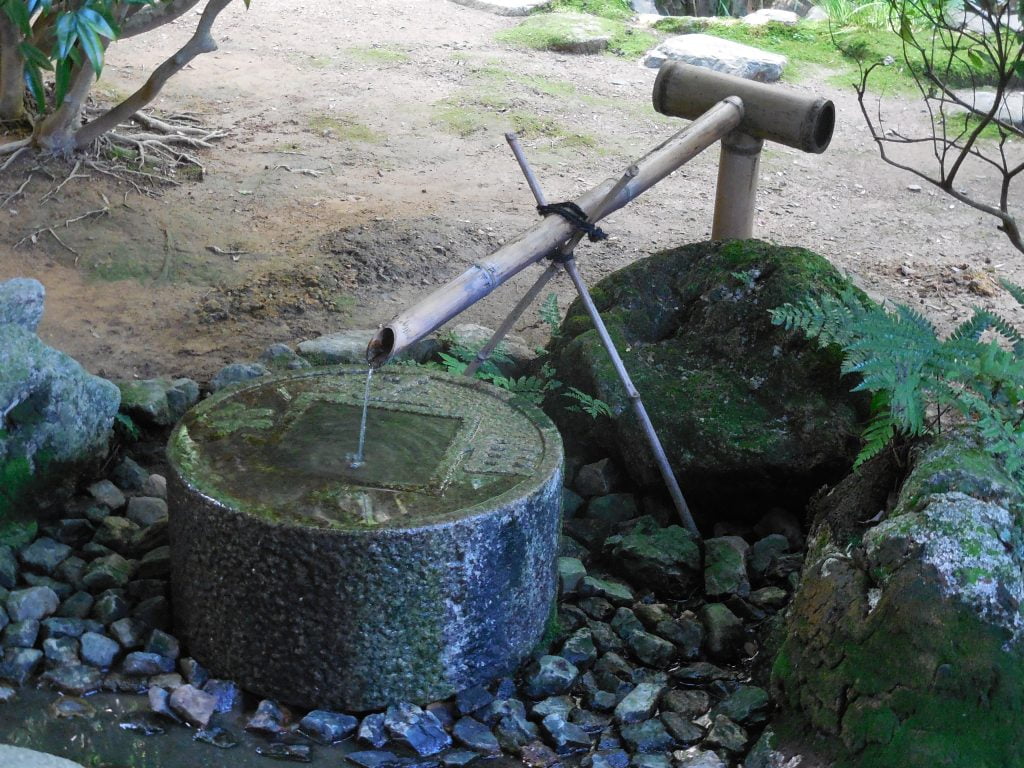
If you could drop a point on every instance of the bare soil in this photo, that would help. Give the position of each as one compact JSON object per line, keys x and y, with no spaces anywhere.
{"x":365,"y":165}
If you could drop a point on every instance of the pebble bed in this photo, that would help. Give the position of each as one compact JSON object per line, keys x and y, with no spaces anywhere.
{"x":647,"y":665}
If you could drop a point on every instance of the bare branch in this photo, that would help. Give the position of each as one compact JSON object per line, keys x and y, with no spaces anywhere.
{"x":149,"y":17}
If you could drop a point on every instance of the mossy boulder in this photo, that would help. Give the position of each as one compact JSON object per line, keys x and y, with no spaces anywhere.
{"x":751,"y":415}
{"x":55,"y":418}
{"x":905,"y":646}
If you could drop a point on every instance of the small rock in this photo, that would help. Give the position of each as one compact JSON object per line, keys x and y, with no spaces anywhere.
{"x":688,"y":704}
{"x":21,"y":302}
{"x":475,"y":735}
{"x":914,"y":187}
{"x":160,"y":703}
{"x":458,"y":758}
{"x":156,"y":564}
{"x":701,"y":673}
{"x":193,"y":671}
{"x":269,"y":718}
{"x":612,"y":591}
{"x":33,"y":603}
{"x":154,"y":612}
{"x":281,"y":357}
{"x":681,"y":729}
{"x":143,"y":664}
{"x":21,"y":634}
{"x":328,"y":727}
{"x":163,"y":644}
{"x":105,"y":492}
{"x":571,"y":503}
{"x":640,"y":704}
{"x":146,"y":510}
{"x":110,"y":607}
{"x":648,"y":736}
{"x":699,"y":758}
{"x":107,"y":572}
{"x":723,"y":631}
{"x":568,"y":738}
{"x":472,"y":699}
{"x":194,"y":705}
{"x":99,"y":650}
{"x":597,"y":479}
{"x":651,"y":650}
{"x":77,"y":679}
{"x":725,"y":567}
{"x":747,"y":705}
{"x":768,"y":598}
{"x":78,"y":606}
{"x":613,"y":507}
{"x":765,"y":552}
{"x":144,"y":724}
{"x":237,"y":373}
{"x":561,"y":705}
{"x":597,"y":608}
{"x":128,"y":475}
{"x":536,"y":754}
{"x":608,"y":758}
{"x":667,"y":560}
{"x":216,"y":736}
{"x":376,"y":758}
{"x":63,"y":590}
{"x":571,"y":572}
{"x":19,"y":664}
{"x":44,"y":555}
{"x":292,"y":753}
{"x":727,"y":735}
{"x":371,"y":731}
{"x":579,"y":649}
{"x":155,"y":486}
{"x":227,"y":694}
{"x":116,"y":533}
{"x":550,"y":676}
{"x":74,"y":532}
{"x":420,"y":730}
{"x":130,"y":633}
{"x":60,"y":651}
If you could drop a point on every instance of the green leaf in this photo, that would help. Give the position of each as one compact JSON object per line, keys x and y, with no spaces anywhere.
{"x":906,"y":30}
{"x":34,"y":56}
{"x":67,"y":34}
{"x":91,"y":44}
{"x":96,"y":22}
{"x":17,"y":12}
{"x":62,"y":81}
{"x":975,"y":58}
{"x":34,"y":78}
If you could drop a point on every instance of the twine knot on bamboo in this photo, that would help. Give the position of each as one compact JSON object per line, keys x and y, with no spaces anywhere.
{"x":575,"y":216}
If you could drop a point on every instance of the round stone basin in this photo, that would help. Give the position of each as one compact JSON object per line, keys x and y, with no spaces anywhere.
{"x":428,"y":569}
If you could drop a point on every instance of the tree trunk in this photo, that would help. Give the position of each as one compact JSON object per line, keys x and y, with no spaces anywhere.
{"x":12,"y":72}
{"x":56,"y":133}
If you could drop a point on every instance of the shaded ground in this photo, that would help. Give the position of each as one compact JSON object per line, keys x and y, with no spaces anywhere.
{"x":366,"y":164}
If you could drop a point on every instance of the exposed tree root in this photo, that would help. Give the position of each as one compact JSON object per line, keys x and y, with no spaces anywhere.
{"x":33,"y":237}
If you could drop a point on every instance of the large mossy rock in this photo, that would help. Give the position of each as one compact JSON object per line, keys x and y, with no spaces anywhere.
{"x":905,"y":646}
{"x":751,"y":415}
{"x":56,"y":417}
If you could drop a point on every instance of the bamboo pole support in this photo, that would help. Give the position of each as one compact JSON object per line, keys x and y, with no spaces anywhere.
{"x":541,"y":239}
{"x":736,"y":193}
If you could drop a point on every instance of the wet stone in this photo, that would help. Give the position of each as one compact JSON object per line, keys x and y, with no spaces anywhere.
{"x":130,"y":633}
{"x":591,"y":722}
{"x":62,"y":589}
{"x":444,"y":712}
{"x":561,"y":705}
{"x":609,"y":758}
{"x":686,"y":633}
{"x":120,"y":683}
{"x":768,"y":598}
{"x":144,"y":724}
{"x":420,"y":730}
{"x":60,"y":651}
{"x":605,"y":638}
{"x":291,"y":753}
{"x":597,"y":608}
{"x":640,"y":704}
{"x":597,"y":479}
{"x":7,"y":693}
{"x":626,"y":624}
{"x":376,"y":758}
{"x":155,"y":486}
{"x":163,"y":644}
{"x":457,"y":758}
{"x":475,"y":735}
{"x":92,"y":550}
{"x":143,"y":664}
{"x":154,"y":612}
{"x":550,"y":676}
{"x":601,"y":701}
{"x":536,"y":754}
{"x":650,"y":760}
{"x":269,"y":718}
{"x":651,"y":650}
{"x":77,"y":679}
{"x":571,"y":572}
{"x":146,"y":510}
{"x":99,"y":650}
{"x":572,"y":502}
{"x":108,"y":494}
{"x":20,"y":634}
{"x":688,"y":704}
{"x":514,"y":731}
{"x":612,"y":591}
{"x":128,"y":475}
{"x":109,"y":607}
{"x":116,"y":532}
{"x":107,"y":572}
{"x":61,"y":627}
{"x":74,"y":532}
{"x":147,"y":539}
{"x":701,"y":758}
{"x":44,"y":555}
{"x":579,"y":649}
{"x":216,"y":736}
{"x":566,"y":737}
{"x":19,"y":664}
{"x":71,"y":708}
{"x":748,"y":705}
{"x":648,"y":736}
{"x":328,"y":727}
{"x":70,"y":572}
{"x":169,"y":680}
{"x":701,"y":673}
{"x":160,"y":703}
{"x":8,"y":568}
{"x":723,"y":631}
{"x":681,"y":729}
{"x":725,"y":566}
{"x":765,"y":554}
{"x":504,"y":688}
{"x":32,"y":603}
{"x":612,"y":508}
{"x":193,"y":671}
{"x":371,"y":731}
{"x":472,"y":699}
{"x":192,"y":704}
{"x":726,"y":734}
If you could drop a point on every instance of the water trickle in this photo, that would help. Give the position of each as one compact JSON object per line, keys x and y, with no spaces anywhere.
{"x":357,"y":459}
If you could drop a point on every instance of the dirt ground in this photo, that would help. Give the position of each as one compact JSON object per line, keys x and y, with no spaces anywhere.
{"x":365,"y":165}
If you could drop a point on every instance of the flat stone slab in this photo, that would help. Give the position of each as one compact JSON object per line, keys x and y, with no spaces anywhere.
{"x":1010,"y":110}
{"x":719,"y":55}
{"x":18,"y":757}
{"x":505,"y":7}
{"x":314,"y":580}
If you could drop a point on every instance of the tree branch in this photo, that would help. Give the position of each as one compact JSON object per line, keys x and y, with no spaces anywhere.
{"x":149,"y":17}
{"x":200,"y":42}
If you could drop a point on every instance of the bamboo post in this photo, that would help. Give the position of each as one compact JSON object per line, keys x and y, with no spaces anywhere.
{"x":541,"y":239}
{"x":736,"y":193}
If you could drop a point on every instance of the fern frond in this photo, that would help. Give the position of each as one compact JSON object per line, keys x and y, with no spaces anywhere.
{"x":878,"y":433}
{"x":1014,"y":290}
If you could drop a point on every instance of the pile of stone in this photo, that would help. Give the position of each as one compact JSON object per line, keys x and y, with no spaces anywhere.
{"x":645,"y":662}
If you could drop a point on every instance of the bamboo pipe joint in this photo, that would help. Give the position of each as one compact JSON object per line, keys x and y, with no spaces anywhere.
{"x":770,"y":112}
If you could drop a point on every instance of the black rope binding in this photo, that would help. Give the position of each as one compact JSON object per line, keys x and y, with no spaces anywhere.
{"x":575,"y":216}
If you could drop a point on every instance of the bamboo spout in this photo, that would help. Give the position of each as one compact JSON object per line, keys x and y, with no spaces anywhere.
{"x":547,"y":235}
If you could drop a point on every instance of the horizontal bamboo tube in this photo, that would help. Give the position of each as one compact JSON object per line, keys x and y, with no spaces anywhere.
{"x":547,"y":235}
{"x":770,"y":112}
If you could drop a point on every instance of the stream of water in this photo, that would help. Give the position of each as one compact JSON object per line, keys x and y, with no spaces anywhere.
{"x":359,"y":458}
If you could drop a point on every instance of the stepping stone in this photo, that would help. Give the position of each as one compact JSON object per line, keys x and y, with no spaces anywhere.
{"x":719,"y":55}
{"x":505,"y":7}
{"x":29,"y":758}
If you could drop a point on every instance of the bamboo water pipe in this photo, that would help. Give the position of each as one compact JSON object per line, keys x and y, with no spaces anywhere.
{"x":549,"y":234}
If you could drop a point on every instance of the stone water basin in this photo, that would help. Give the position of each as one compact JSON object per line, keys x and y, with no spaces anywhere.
{"x":427,"y":570}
